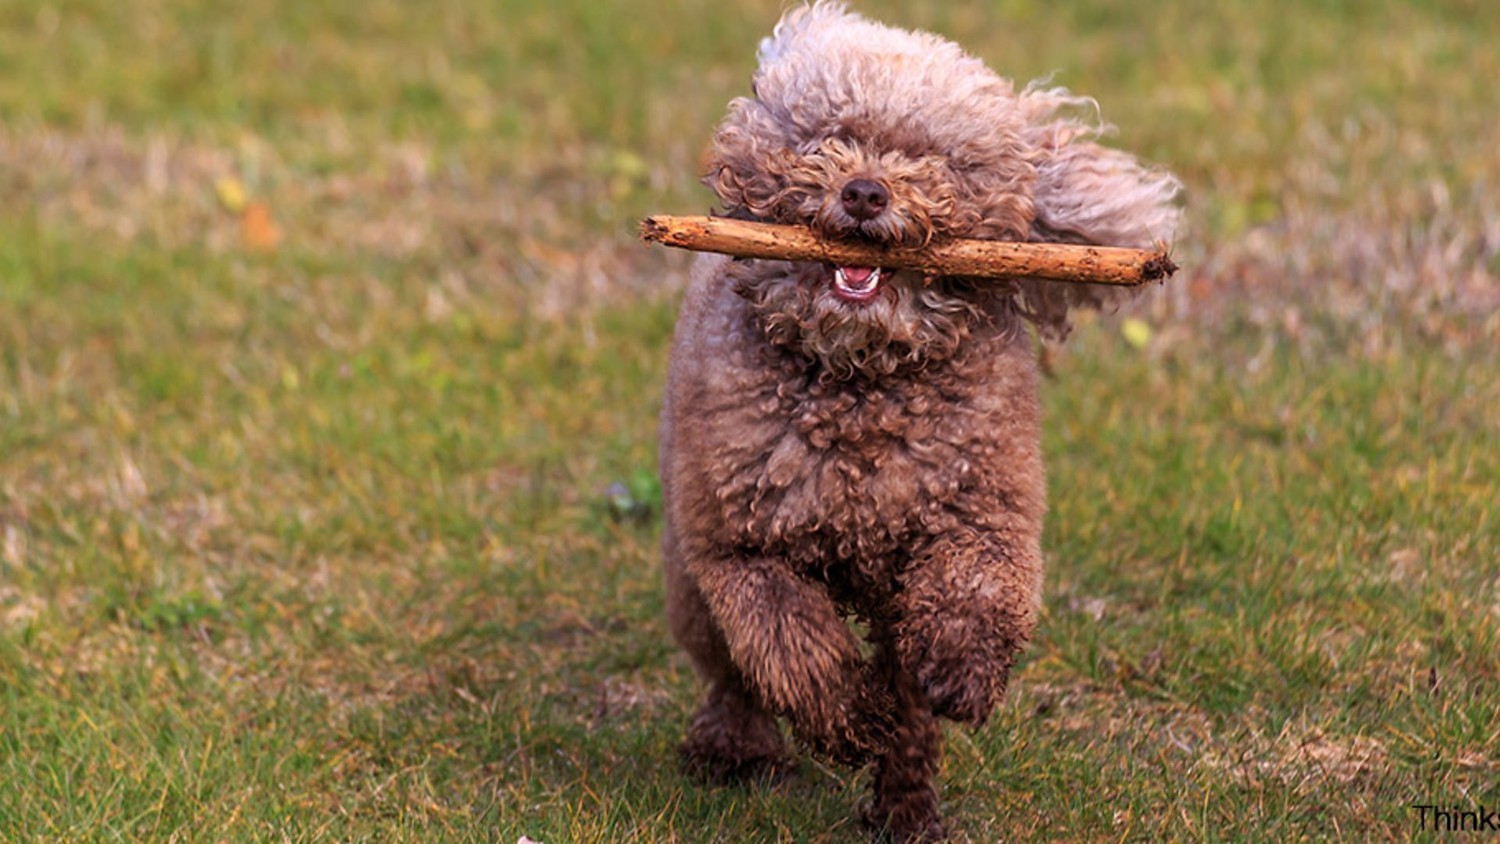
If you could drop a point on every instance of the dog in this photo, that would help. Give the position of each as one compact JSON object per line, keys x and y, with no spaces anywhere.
{"x":851,"y":460}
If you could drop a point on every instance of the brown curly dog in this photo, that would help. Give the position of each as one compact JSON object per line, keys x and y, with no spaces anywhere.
{"x":860,"y":443}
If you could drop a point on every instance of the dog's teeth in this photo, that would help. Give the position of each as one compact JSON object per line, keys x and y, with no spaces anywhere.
{"x":842,"y":279}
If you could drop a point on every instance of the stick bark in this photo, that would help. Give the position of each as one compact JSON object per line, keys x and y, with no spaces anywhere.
{"x":959,"y":257}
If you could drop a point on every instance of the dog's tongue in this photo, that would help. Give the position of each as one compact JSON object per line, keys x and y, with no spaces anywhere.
{"x":857,"y":276}
{"x":856,"y":284}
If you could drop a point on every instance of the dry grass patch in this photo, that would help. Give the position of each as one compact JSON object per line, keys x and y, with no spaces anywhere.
{"x":481,"y":237}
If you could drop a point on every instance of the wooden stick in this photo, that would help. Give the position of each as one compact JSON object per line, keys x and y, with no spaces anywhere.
{"x":979,"y":258}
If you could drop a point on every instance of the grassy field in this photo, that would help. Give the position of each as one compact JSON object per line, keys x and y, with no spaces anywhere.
{"x":323,"y":340}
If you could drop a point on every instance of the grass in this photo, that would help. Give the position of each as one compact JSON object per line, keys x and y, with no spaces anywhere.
{"x":345,"y":531}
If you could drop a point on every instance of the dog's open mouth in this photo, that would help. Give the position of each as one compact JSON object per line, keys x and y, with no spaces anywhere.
{"x":856,"y":284}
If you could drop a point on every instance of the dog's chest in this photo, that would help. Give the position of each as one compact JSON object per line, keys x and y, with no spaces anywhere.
{"x":852,"y":474}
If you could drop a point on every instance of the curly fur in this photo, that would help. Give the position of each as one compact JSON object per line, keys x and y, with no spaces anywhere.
{"x":824,"y":459}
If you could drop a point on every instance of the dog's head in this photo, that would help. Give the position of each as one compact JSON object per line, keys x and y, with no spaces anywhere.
{"x":863,"y":131}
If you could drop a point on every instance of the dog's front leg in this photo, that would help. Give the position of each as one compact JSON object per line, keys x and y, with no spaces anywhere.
{"x":967,"y":606}
{"x":798,"y":656}
{"x":905,"y":808}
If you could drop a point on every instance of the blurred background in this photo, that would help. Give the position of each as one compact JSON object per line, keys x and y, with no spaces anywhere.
{"x":329,"y":368}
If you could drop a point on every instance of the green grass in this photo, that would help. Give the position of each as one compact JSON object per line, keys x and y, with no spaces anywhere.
{"x":317,"y":542}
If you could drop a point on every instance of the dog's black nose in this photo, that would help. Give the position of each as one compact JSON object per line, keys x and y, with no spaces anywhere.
{"x":864,"y":199}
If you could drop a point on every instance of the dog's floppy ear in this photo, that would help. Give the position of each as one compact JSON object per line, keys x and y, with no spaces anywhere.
{"x":748,"y":161}
{"x":1088,"y":193}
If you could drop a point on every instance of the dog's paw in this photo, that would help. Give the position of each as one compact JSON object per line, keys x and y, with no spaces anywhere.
{"x":726,"y":758}
{"x":854,"y":727}
{"x":963,"y":674}
{"x":911,"y":821}
{"x":963,"y":693}
{"x":731,"y":741}
{"x":720,"y":765}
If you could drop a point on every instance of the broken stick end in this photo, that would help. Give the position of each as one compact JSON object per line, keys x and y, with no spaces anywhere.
{"x":653,"y":230}
{"x":1158,"y":267}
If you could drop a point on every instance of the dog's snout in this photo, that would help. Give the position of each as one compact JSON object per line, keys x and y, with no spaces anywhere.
{"x":864,"y":199}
